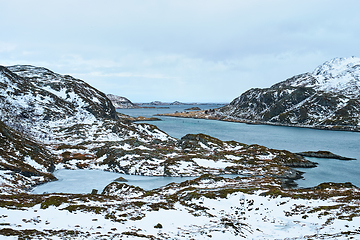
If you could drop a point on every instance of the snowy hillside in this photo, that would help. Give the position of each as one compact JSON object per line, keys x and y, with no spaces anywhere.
{"x":64,"y":117}
{"x":23,"y":162}
{"x":327,"y":98}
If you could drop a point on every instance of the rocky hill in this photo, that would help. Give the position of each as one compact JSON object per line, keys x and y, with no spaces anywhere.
{"x":121,"y":102}
{"x":48,"y":120}
{"x":327,"y":98}
{"x":52,"y":121}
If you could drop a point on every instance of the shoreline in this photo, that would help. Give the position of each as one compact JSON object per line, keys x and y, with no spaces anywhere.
{"x":202,"y":115}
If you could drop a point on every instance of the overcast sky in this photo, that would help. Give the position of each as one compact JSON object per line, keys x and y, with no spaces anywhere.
{"x":185,"y":50}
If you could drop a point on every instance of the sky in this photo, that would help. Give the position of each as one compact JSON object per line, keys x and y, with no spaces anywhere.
{"x":178,"y":50}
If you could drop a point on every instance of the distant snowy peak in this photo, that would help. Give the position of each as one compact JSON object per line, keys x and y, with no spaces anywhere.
{"x":120,"y":102}
{"x":340,"y":75}
{"x":337,"y":67}
{"x":327,"y":98}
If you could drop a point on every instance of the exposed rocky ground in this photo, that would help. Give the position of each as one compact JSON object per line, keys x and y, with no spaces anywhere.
{"x":50,"y":121}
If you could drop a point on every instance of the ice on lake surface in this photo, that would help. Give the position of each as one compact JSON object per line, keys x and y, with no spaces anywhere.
{"x":83,"y":181}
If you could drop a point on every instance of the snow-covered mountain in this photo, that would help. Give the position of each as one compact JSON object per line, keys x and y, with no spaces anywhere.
{"x":121,"y":102}
{"x":64,"y":118}
{"x":327,"y":98}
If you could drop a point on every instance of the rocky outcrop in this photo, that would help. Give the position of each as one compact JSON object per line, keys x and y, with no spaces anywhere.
{"x":121,"y":102}
{"x":327,"y":98}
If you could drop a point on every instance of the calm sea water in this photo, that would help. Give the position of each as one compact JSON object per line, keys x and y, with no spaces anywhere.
{"x":288,"y":138}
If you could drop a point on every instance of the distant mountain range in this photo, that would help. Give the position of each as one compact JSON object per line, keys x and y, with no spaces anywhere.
{"x":327,"y":98}
{"x":159,"y":103}
{"x":122,"y":102}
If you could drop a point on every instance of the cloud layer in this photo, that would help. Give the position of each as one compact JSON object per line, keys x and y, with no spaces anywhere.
{"x":184,"y":50}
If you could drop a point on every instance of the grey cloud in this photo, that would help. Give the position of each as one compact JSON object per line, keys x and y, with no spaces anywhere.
{"x":206,"y":49}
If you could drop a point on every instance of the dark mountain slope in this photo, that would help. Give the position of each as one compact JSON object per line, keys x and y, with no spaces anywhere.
{"x":24,"y":162}
{"x":328,"y":98}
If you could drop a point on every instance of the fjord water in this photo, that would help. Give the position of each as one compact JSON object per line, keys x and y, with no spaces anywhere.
{"x":278,"y":137}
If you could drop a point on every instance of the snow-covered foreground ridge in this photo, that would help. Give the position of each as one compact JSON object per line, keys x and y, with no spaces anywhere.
{"x":327,"y":98}
{"x":50,"y":121}
{"x":205,"y":208}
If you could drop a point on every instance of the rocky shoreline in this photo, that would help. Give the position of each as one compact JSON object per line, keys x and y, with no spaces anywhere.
{"x":214,"y":115}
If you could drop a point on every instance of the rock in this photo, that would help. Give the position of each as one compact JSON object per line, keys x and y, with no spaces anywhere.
{"x":323,"y":154}
{"x":121,"y":179}
{"x":158,"y":225}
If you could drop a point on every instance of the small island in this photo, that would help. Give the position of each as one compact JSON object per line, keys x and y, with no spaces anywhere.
{"x":136,"y":119}
{"x":193,"y":108}
{"x":120,"y":179}
{"x":323,"y":154}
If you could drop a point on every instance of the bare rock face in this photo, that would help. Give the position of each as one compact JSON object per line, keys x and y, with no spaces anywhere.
{"x":327,"y":98}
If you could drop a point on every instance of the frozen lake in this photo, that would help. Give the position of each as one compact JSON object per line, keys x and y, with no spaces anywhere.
{"x":83,"y":181}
